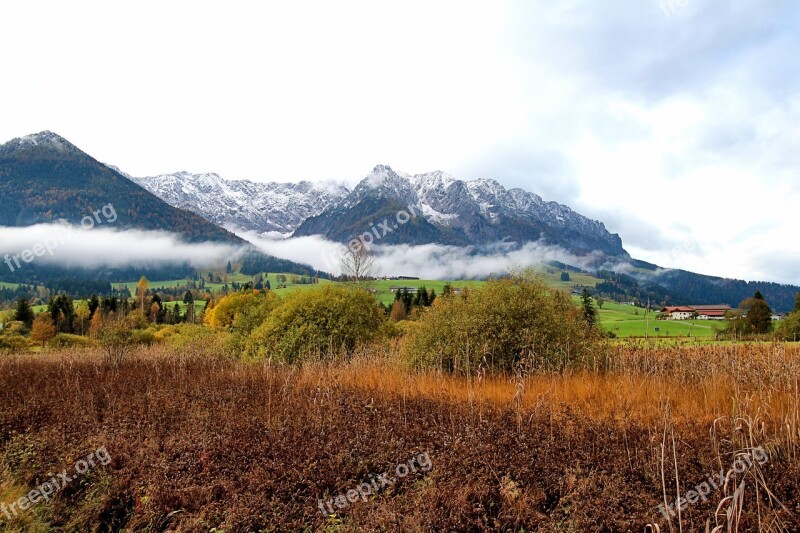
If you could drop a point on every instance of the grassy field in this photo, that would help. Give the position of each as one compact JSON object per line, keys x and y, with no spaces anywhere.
{"x":552,"y":276}
{"x":631,"y":321}
{"x":4,"y":285}
{"x":237,"y":277}
{"x":385,"y":295}
{"x":199,"y":305}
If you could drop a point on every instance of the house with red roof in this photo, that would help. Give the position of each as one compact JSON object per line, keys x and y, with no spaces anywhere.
{"x":701,"y":312}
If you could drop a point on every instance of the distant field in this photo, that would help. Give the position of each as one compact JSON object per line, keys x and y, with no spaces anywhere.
{"x":385,"y":295}
{"x":199,"y":305}
{"x":552,"y":276}
{"x":166,"y":284}
{"x":630,"y":321}
{"x":238,"y":278}
{"x":622,"y":320}
{"x":43,"y":307}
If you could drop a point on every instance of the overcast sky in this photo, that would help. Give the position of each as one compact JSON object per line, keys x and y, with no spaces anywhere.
{"x":675,"y":122}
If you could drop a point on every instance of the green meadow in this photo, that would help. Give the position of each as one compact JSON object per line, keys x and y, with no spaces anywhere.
{"x":632,"y":321}
{"x":622,"y":320}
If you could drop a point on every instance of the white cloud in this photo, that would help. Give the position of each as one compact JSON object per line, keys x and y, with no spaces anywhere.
{"x":427,"y":261}
{"x":73,"y":246}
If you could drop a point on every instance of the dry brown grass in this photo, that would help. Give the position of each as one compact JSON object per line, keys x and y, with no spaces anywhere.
{"x":199,"y":442}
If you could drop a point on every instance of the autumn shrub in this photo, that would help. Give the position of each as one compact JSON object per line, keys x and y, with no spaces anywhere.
{"x":247,"y":309}
{"x":789,"y":328}
{"x":15,"y":328}
{"x":515,"y":321}
{"x":144,"y":336}
{"x":327,"y":322}
{"x":163,"y":333}
{"x":67,"y":340}
{"x":14,"y":343}
{"x":198,"y":340}
{"x":116,"y":337}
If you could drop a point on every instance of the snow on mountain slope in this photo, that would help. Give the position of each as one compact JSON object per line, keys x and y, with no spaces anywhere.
{"x":481,"y":211}
{"x":260,"y":207}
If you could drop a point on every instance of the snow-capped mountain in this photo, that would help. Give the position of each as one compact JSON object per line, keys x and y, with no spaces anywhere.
{"x":259,"y":207}
{"x":450,"y":211}
{"x":459,"y":212}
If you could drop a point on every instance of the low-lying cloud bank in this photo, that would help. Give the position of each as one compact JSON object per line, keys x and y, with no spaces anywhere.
{"x":427,"y":261}
{"x":72,"y":246}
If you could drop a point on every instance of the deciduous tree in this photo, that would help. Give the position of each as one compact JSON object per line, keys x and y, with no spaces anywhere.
{"x":358,"y":263}
{"x":398,"y":311}
{"x":82,"y":316}
{"x":43,"y":328}
{"x":141,"y":291}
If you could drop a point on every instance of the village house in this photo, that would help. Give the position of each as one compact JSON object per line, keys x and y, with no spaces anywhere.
{"x":701,"y":312}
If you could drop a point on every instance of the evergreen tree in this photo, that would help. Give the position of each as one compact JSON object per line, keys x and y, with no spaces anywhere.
{"x":408,"y":300}
{"x":24,"y":312}
{"x":176,"y":313}
{"x":565,"y":276}
{"x":447,"y":290}
{"x":62,"y":311}
{"x":589,"y":312}
{"x":157,"y":312}
{"x":759,"y":316}
{"x":229,"y":268}
{"x":94,"y":303}
{"x":421,"y":298}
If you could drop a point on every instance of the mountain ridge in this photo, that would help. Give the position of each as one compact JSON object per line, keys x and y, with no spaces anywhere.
{"x":44,"y":178}
{"x":261,"y":207}
{"x":457,"y":212}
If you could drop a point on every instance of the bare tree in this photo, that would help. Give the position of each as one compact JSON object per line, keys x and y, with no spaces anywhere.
{"x":358,"y":263}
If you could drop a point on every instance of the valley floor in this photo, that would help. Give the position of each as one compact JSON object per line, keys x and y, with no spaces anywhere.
{"x":201,"y":444}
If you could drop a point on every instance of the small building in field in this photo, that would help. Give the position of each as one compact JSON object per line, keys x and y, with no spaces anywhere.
{"x":410,"y":290}
{"x":701,"y":312}
{"x":678,"y":312}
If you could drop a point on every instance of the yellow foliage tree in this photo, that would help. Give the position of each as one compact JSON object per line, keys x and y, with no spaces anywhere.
{"x":82,"y":316}
{"x":43,"y":328}
{"x":96,"y":323}
{"x":141,"y":291}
